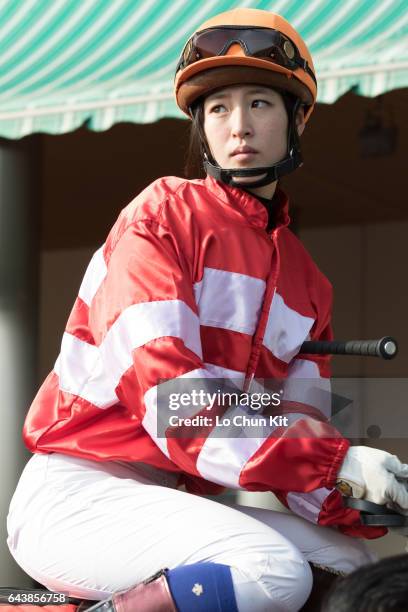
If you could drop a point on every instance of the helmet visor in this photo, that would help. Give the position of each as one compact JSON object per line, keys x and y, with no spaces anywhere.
{"x":264,"y":43}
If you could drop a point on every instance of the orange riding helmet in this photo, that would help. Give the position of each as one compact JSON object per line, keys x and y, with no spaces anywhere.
{"x":290,"y":68}
{"x":244,"y":46}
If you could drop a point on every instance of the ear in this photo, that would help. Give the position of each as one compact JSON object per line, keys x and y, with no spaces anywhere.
{"x":300,"y":121}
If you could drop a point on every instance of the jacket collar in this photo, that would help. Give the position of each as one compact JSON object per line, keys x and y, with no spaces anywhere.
{"x":248,"y":205}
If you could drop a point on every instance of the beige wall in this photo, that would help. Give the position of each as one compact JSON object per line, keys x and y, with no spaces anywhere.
{"x":366,"y":266}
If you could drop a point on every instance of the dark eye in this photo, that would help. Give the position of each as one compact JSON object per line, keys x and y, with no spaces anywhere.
{"x":217,"y":108}
{"x":259,"y":103}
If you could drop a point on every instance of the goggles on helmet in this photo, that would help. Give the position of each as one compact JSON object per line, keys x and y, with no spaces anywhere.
{"x":263,"y":43}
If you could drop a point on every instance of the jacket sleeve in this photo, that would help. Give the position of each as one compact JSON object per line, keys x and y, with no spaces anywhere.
{"x":308,"y":391}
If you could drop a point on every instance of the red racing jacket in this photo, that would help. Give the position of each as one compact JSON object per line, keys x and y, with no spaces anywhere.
{"x":190,"y":284}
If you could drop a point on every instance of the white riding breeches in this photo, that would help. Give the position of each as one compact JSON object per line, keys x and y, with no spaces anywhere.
{"x":88,"y":529}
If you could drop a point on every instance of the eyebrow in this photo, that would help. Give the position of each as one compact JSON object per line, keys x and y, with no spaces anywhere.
{"x":250,"y":92}
{"x":261,"y":90}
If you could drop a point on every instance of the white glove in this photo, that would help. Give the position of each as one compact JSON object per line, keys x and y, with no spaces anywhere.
{"x":371,"y":474}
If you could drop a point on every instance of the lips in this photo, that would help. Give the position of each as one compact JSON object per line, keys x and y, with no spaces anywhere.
{"x":243,"y":150}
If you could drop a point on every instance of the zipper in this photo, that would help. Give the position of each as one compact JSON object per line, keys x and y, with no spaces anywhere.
{"x":259,"y":334}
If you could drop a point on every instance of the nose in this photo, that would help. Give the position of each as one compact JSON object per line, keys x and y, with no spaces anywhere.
{"x":240,"y":123}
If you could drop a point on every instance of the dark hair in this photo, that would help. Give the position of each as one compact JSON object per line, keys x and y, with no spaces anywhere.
{"x":378,"y":587}
{"x":193,"y":166}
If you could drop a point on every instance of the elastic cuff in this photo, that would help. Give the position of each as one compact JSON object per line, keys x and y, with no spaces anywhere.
{"x":337,"y":462}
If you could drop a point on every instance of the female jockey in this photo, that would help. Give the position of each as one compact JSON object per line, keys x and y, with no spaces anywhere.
{"x":200,"y":279}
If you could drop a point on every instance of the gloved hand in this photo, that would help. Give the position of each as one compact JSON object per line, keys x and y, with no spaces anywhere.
{"x":374,"y":475}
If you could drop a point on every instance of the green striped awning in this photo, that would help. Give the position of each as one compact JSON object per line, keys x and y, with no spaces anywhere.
{"x":66,"y":62}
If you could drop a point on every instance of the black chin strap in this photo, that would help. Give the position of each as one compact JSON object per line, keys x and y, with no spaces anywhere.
{"x":272,"y":173}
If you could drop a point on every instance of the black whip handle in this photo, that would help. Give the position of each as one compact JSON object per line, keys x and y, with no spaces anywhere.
{"x":386,"y":347}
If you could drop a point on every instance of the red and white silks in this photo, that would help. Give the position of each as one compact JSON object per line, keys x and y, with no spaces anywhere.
{"x":189,"y":284}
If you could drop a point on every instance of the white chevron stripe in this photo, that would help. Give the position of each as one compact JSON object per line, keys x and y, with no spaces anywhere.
{"x":229,"y":300}
{"x":93,"y":278}
{"x":222,"y":459}
{"x":225,"y":299}
{"x":150,"y":420}
{"x":75,"y":363}
{"x":286,"y":329}
{"x":93,"y":372}
{"x":156,"y":427}
{"x":308,"y":505}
